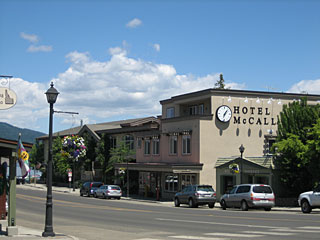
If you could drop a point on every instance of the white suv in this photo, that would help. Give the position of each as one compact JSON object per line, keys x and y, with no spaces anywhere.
{"x":309,"y":200}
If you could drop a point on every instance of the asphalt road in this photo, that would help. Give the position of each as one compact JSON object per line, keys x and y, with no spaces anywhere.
{"x":90,"y":218}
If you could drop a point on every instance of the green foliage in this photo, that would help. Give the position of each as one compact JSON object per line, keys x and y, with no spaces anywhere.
{"x":91,"y":152}
{"x":298,"y":147}
{"x":120,"y":154}
{"x":220,"y":83}
{"x":36,"y":154}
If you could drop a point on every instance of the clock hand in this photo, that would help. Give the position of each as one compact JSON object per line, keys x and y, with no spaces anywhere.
{"x":225,"y":113}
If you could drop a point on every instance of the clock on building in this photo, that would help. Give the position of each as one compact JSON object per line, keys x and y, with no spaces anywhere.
{"x":224,"y":113}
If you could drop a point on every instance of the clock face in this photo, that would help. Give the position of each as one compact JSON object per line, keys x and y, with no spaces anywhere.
{"x":224,"y":113}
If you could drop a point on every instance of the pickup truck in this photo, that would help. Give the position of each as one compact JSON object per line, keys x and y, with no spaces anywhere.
{"x":309,"y":200}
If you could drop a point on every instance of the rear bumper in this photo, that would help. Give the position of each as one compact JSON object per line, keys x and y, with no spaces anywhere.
{"x":261,"y":204}
{"x":205,"y":200}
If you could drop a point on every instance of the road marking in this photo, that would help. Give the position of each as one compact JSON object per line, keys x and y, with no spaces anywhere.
{"x":310,"y":227}
{"x":269,"y":233}
{"x":297,"y":230}
{"x":216,"y":223}
{"x":234,"y":235}
{"x":198,"y":238}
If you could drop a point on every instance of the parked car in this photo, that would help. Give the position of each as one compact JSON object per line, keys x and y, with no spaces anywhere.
{"x":108,"y":191}
{"x":195,"y":195}
{"x":246,"y":196}
{"x":309,"y":200}
{"x":88,"y":188}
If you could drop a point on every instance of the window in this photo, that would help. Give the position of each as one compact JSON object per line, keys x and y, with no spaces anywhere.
{"x":196,"y":109}
{"x":187,"y":179}
{"x":113,"y":142}
{"x":170,"y":112}
{"x":173,"y":141}
{"x":171,"y":183}
{"x":139,"y":142}
{"x":186,"y":144}
{"x":155,"y":146}
{"x":147,"y":146}
{"x":129,"y":140}
{"x":243,"y":189}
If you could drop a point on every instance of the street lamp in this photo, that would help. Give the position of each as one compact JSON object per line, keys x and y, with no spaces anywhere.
{"x":241,"y":149}
{"x":52,"y":95}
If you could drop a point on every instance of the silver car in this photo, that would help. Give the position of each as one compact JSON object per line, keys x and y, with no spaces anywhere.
{"x":195,"y":195}
{"x":108,"y":191}
{"x":246,"y":196}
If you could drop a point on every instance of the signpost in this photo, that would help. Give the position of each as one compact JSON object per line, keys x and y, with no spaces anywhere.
{"x":70,"y":177}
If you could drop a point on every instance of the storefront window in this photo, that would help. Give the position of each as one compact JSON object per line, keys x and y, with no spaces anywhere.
{"x":171,"y":183}
{"x":187,"y":179}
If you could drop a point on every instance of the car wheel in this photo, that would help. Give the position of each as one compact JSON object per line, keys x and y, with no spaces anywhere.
{"x":95,"y":195}
{"x":81,"y":194}
{"x":305,"y":207}
{"x":267,"y":209}
{"x":211,"y":205}
{"x":118,"y":198}
{"x":223,"y":205}
{"x":191,"y":203}
{"x":104,"y":196}
{"x":244,"y":206}
{"x":176,"y":202}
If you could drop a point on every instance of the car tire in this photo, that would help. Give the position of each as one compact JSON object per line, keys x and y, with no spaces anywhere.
{"x":211,"y":205}
{"x":305,"y":206}
{"x":244,"y":206}
{"x":267,"y":209}
{"x":95,"y":195}
{"x":176,"y":202}
{"x":81,"y":194}
{"x":191,"y":203}
{"x":223,"y":205}
{"x":118,"y":198}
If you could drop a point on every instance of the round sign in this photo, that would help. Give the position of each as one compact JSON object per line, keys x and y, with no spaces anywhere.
{"x":8,"y":98}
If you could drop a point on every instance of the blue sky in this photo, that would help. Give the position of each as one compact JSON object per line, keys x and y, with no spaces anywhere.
{"x":115,"y":60}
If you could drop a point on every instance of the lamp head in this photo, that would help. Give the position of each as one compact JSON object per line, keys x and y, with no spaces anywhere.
{"x":52,"y":94}
{"x":241,"y":148}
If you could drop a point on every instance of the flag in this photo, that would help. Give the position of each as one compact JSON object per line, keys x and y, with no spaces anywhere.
{"x":23,"y":157}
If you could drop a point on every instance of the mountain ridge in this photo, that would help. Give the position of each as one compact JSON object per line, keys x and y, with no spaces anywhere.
{"x":11,"y":132}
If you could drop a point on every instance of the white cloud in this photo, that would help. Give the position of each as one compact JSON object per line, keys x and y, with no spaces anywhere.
{"x":156,"y":47}
{"x":306,"y":86}
{"x":119,"y":88}
{"x":42,"y":48}
{"x":29,"y":37}
{"x":134,"y":23}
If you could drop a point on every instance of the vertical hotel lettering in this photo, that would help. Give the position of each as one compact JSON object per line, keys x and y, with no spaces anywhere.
{"x":245,"y":118}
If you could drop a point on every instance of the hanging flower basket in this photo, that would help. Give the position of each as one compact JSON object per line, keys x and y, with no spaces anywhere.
{"x":234,"y":168}
{"x":73,"y":146}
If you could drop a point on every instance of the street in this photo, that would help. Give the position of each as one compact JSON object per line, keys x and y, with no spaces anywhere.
{"x":90,"y":218}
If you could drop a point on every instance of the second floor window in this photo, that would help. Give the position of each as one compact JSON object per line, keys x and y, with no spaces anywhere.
{"x":170,"y":112}
{"x":186,"y":144}
{"x":173,"y":145}
{"x":196,"y":110}
{"x":147,"y":146}
{"x":129,"y":140}
{"x":155,"y":146}
{"x":113,"y":142}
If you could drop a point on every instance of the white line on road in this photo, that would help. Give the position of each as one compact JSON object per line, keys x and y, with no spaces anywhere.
{"x":270,"y":233}
{"x":240,"y":235}
{"x":310,"y":227}
{"x":217,"y":223}
{"x":198,"y":238}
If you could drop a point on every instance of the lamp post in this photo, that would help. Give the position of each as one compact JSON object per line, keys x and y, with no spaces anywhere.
{"x":241,"y":149}
{"x":74,"y":174}
{"x":52,"y":95}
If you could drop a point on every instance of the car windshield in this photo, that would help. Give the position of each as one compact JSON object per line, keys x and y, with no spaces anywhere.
{"x":205,"y":188}
{"x":115,"y":188}
{"x":262,"y":189}
{"x":96,"y":184}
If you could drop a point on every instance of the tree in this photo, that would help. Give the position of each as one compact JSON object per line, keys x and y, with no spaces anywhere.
{"x":220,"y":83}
{"x":102,"y":151}
{"x":36,"y":154}
{"x":295,"y":146}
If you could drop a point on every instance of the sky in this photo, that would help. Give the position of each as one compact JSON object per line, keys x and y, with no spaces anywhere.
{"x":115,"y":60}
